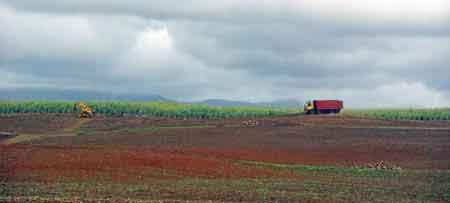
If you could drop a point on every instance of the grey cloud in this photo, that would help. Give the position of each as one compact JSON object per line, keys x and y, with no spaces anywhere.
{"x":57,"y":46}
{"x":302,"y":53}
{"x":234,"y":50}
{"x":317,"y":15}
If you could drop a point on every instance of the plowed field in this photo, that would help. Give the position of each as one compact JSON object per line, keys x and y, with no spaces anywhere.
{"x":291,"y":158}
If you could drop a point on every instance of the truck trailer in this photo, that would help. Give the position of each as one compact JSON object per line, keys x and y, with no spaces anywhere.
{"x":323,"y":106}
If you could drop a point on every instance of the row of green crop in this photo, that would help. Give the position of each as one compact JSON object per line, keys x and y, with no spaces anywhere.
{"x":159,"y":109}
{"x":178,"y":110}
{"x":403,"y":114}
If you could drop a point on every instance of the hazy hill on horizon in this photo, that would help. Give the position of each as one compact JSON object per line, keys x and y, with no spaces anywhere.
{"x":287,"y":103}
{"x":72,"y":95}
{"x":77,"y":95}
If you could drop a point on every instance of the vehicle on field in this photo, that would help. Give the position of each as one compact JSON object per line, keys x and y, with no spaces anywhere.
{"x":323,"y":106}
{"x":84,"y":110}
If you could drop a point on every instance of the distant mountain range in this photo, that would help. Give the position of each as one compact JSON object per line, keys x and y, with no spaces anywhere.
{"x":77,"y":95}
{"x":72,"y":95}
{"x":290,"y":103}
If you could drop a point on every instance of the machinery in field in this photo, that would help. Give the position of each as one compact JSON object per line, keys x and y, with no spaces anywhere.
{"x":84,"y":110}
{"x":323,"y":106}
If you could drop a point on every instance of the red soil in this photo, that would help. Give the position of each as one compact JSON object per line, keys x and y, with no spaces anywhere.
{"x":217,"y":149}
{"x":84,"y":163}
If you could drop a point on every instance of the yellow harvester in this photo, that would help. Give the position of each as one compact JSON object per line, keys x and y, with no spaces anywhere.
{"x":84,"y":109}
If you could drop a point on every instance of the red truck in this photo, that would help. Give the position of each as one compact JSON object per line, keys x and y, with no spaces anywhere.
{"x":323,"y":106}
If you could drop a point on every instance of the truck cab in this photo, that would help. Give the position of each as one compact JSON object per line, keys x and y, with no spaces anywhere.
{"x":309,"y":107}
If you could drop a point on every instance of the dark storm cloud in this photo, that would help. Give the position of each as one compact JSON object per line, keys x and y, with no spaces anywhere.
{"x":250,"y":50}
{"x":363,"y":17}
{"x":307,"y":54}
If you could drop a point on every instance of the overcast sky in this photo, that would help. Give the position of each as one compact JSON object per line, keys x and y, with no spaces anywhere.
{"x":372,"y":53}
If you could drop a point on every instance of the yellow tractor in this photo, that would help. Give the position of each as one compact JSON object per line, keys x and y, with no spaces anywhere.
{"x":84,"y":110}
